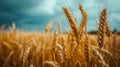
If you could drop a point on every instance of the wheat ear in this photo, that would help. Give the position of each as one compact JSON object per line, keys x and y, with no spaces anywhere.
{"x":83,"y":21}
{"x":101,"y":29}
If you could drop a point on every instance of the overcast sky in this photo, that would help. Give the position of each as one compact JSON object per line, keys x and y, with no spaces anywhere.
{"x":36,"y":14}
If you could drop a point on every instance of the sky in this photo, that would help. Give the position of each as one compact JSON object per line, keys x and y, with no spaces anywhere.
{"x":34,"y":15}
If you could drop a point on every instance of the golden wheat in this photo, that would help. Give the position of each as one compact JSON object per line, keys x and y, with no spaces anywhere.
{"x":76,"y":48}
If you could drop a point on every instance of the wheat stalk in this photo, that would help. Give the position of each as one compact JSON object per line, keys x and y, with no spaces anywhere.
{"x":83,"y":21}
{"x":72,"y":22}
{"x":100,"y":57}
{"x":8,"y":58}
{"x":2,"y":27}
{"x":53,"y":63}
{"x":59,"y":27}
{"x":101,"y":28}
{"x":26,"y":53}
{"x":108,"y":31}
{"x":74,"y":28}
{"x":48,"y":27}
{"x":86,"y":49}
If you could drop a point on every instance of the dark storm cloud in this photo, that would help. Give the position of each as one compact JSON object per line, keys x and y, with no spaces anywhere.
{"x":16,"y":10}
{"x":35,"y":14}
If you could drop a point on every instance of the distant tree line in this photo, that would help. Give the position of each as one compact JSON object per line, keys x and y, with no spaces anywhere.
{"x":95,"y":32}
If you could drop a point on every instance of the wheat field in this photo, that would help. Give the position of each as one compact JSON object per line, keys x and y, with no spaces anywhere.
{"x":76,"y":48}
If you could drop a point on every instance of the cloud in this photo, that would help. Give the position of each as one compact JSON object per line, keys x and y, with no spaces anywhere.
{"x":47,"y":7}
{"x":115,"y":21}
{"x":31,"y":14}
